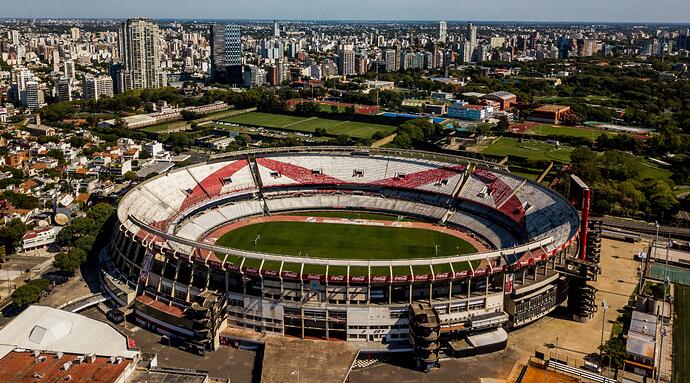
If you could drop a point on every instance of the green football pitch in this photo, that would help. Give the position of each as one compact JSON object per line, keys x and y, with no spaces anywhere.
{"x":310,"y":124}
{"x":325,"y":240}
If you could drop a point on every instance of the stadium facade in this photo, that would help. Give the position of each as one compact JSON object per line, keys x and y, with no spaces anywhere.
{"x":164,"y":264}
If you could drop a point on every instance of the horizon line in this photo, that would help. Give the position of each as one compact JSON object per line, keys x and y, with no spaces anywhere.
{"x":357,"y":20}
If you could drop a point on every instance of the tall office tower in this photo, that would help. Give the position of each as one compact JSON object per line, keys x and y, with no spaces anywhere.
{"x":31,"y":97}
{"x":98,"y":87}
{"x":75,"y":33}
{"x":472,"y":38}
{"x":226,"y":54}
{"x":442,"y":31}
{"x":276,"y":28}
{"x":346,"y":66}
{"x":69,"y":69}
{"x":140,"y":55}
{"x":389,"y":58}
{"x":563,"y":47}
{"x":64,"y":89}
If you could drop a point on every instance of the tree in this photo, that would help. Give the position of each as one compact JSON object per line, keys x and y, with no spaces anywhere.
{"x":307,"y":108}
{"x":19,"y":200}
{"x":85,"y":243}
{"x":131,"y":176}
{"x":30,"y":292}
{"x":613,"y":351}
{"x":11,"y":234}
{"x":188,"y":115}
{"x":3,"y":254}
{"x":334,"y":109}
{"x":503,"y":124}
{"x":66,"y":262}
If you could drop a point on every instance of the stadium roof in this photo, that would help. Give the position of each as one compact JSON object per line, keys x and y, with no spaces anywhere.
{"x":52,"y":330}
{"x":501,"y":94}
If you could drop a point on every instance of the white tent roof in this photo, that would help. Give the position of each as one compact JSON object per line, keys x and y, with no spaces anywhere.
{"x":48,"y":329}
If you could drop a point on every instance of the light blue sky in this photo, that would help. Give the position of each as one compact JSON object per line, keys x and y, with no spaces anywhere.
{"x":517,"y":10}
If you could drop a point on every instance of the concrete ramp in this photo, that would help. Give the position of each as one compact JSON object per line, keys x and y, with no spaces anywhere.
{"x":306,"y":361}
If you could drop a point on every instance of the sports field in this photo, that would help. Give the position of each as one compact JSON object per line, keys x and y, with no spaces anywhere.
{"x":546,"y":130}
{"x":325,"y":240}
{"x":533,"y":150}
{"x":310,"y":124}
{"x":681,"y":334}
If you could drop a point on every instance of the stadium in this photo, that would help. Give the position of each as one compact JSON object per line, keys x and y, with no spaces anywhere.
{"x":398,"y":249}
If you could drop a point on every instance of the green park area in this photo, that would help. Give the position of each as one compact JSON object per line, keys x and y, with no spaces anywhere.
{"x":310,"y":124}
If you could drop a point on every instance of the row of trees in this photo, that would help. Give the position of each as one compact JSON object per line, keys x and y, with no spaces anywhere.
{"x":616,"y":180}
{"x":81,"y":236}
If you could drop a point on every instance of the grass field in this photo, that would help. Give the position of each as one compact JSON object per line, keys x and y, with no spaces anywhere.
{"x":533,"y":150}
{"x":310,"y":124}
{"x":681,"y":334}
{"x":546,"y":130}
{"x":325,"y":240}
{"x":651,"y":170}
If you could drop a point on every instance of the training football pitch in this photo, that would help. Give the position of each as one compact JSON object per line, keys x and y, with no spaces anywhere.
{"x":310,"y":124}
{"x":326,"y":240}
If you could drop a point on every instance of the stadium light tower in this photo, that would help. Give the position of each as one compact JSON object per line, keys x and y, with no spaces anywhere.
{"x":604,"y":306}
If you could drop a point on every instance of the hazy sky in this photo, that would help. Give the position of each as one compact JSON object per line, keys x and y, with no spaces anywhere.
{"x":517,"y":10}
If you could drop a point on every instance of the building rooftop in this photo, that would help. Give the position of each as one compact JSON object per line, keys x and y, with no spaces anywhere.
{"x":552,"y":108}
{"x":29,"y":367}
{"x":52,"y":330}
{"x":168,"y":376}
{"x":160,"y":306}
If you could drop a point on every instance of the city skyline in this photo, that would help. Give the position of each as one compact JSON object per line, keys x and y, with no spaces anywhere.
{"x":672,"y":11}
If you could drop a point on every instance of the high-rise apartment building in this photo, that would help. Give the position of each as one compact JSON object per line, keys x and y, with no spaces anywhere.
{"x":64,"y":89}
{"x":75,"y":33}
{"x":32,"y":96}
{"x":361,"y":65}
{"x":442,"y":31}
{"x":140,"y":55}
{"x":226,"y":54}
{"x":390,"y":60}
{"x":346,"y":66}
{"x":97,"y":87}
{"x":472,"y":39}
{"x":69,"y":69}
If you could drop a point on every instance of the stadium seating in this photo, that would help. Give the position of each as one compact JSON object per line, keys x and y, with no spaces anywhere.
{"x":397,"y":185}
{"x":218,"y":178}
{"x":491,"y":232}
{"x":338,"y":170}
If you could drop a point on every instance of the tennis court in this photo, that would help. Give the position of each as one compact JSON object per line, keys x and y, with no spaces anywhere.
{"x":675,"y":274}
